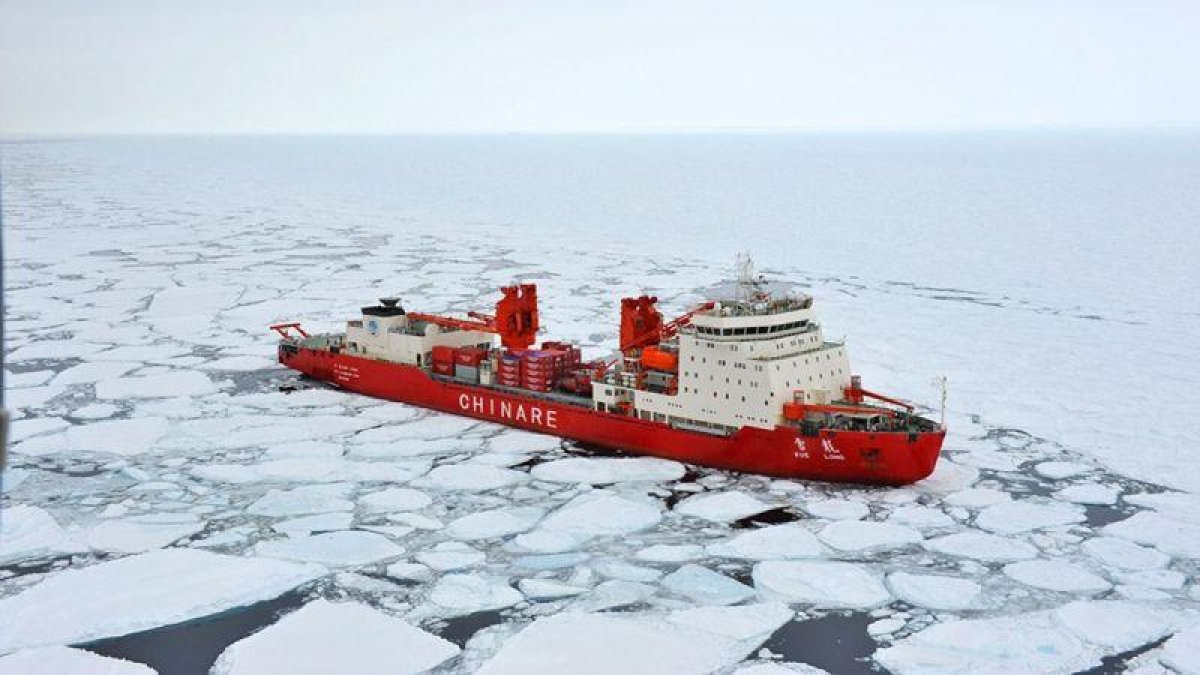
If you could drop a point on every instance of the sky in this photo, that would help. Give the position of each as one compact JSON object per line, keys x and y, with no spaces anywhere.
{"x":443,"y":66}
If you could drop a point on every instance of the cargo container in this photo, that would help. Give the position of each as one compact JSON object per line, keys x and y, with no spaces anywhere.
{"x":469,"y":356}
{"x":443,"y":368}
{"x":443,"y":354}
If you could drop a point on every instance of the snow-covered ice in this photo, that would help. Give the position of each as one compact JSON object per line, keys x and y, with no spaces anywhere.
{"x":1011,"y":517}
{"x":605,"y":470}
{"x":860,"y":535}
{"x":458,"y":593}
{"x":1056,"y":575}
{"x":336,"y":549}
{"x":934,"y":591}
{"x":142,"y":533}
{"x":829,"y":585}
{"x":778,"y":542}
{"x":982,"y":546}
{"x":495,"y":523}
{"x":706,"y":586}
{"x":470,"y":477}
{"x":690,"y":641}
{"x":67,"y":661}
{"x":721,"y":507}
{"x":328,"y":637}
{"x":140,"y":592}
{"x":27,"y":532}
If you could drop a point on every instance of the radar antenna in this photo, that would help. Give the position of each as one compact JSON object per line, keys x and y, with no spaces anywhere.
{"x":749,"y":283}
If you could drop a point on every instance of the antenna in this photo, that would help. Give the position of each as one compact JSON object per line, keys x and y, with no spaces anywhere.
{"x":747,"y":283}
{"x":941,"y":382}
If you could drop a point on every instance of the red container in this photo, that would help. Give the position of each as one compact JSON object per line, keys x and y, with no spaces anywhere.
{"x":443,"y":354}
{"x":470,"y":356}
{"x":443,"y":368}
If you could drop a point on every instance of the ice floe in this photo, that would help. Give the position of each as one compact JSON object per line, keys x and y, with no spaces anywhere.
{"x":982,"y":546}
{"x":1123,"y":554}
{"x":67,"y":661}
{"x":934,"y":591}
{"x":601,"y":513}
{"x":548,"y":589}
{"x":1011,"y":517}
{"x":182,"y":383}
{"x":328,"y":637}
{"x":347,"y":548}
{"x":860,"y":535}
{"x":705,"y":586}
{"x":323,"y":522}
{"x":140,"y":592}
{"x":470,"y":477}
{"x":1069,"y":639}
{"x":1089,"y":494}
{"x":686,"y":642}
{"x":27,"y":533}
{"x":837,"y":509}
{"x":451,"y":555}
{"x":823,"y":584}
{"x":312,"y":469}
{"x":494,"y":523}
{"x":457,"y":594}
{"x":302,"y":500}
{"x":670,"y":553}
{"x":142,"y":533}
{"x":605,"y":470}
{"x":1176,"y":537}
{"x":395,"y":499}
{"x":920,"y":517}
{"x":1182,"y":652}
{"x":777,"y":542}
{"x":1056,"y":575}
{"x":721,"y":507}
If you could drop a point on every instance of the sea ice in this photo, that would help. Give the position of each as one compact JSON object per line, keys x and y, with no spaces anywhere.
{"x":1123,"y":554}
{"x":837,"y":509}
{"x":449,"y":556}
{"x":312,"y":469}
{"x":605,"y":470}
{"x":120,"y":437}
{"x":494,"y":523}
{"x":88,"y":372}
{"x":976,"y":498}
{"x":1089,"y":494}
{"x":982,"y":546}
{"x":470,"y":477}
{"x":670,"y":553}
{"x":777,"y":542}
{"x":181,"y":383}
{"x":347,"y":548}
{"x":1060,"y":470}
{"x":327,"y":637}
{"x":860,"y":536}
{"x":637,"y":644}
{"x":705,"y":586}
{"x":601,"y":513}
{"x":323,"y":522}
{"x":1182,"y":652}
{"x":459,"y":594}
{"x":1175,"y":537}
{"x":721,"y":507}
{"x":240,"y":363}
{"x":27,"y":533}
{"x":142,"y":533}
{"x":395,"y":499}
{"x":822,"y":584}
{"x":934,"y":591}
{"x":613,"y":594}
{"x":920,"y":517}
{"x":1024,"y":515}
{"x":67,"y":661}
{"x":140,"y":592}
{"x":302,"y":500}
{"x":548,"y":589}
{"x":1056,"y":575}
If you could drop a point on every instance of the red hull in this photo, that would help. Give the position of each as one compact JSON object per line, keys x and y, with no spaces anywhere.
{"x":880,"y":458}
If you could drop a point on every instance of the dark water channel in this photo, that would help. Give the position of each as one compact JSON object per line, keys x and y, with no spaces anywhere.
{"x":191,"y":648}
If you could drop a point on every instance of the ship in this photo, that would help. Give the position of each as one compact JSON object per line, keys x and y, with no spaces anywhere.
{"x":745,"y":381}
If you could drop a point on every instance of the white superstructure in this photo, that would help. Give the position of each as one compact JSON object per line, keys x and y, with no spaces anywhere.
{"x":738,"y":363}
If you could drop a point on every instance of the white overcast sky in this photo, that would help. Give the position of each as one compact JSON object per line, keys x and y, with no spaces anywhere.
{"x":130,"y":66}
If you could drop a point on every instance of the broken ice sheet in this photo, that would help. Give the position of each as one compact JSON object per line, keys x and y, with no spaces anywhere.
{"x":140,"y":592}
{"x":327,"y":637}
{"x":689,"y":641}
